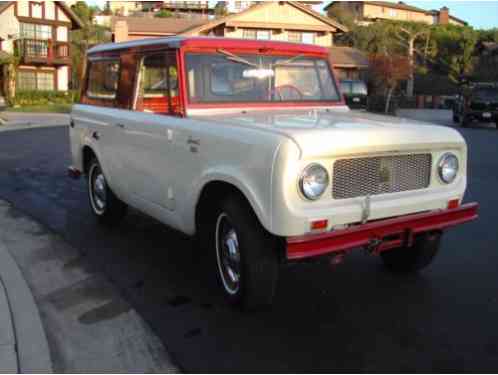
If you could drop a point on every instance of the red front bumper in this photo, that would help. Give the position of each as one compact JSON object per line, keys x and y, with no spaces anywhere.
{"x":381,"y":235}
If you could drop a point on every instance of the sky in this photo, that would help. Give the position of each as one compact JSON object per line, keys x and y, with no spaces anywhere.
{"x":479,"y":14}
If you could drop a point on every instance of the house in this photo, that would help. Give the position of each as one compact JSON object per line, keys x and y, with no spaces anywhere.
{"x":239,"y":6}
{"x":366,"y":12}
{"x":190,"y":8}
{"x":289,"y":21}
{"x":349,"y":63}
{"x":125,"y":8}
{"x":36,"y":35}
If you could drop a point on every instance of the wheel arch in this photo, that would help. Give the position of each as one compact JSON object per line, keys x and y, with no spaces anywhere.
{"x":87,"y":155}
{"x":214,"y":190}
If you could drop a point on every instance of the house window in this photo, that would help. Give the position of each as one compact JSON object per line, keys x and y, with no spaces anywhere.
{"x":392,"y":13}
{"x":37,"y":9}
{"x":45,"y":81}
{"x":35,"y":80}
{"x":103,"y":79}
{"x":308,"y":38}
{"x":294,"y":37}
{"x":35,"y":31}
{"x":249,"y":34}
{"x":256,"y":34}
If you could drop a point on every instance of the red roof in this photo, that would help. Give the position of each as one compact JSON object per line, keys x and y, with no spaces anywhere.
{"x":214,"y":43}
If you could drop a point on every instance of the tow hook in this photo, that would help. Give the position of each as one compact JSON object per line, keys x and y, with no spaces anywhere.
{"x":373,"y":246}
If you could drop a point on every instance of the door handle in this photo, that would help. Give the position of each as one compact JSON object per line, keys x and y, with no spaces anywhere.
{"x":121,"y":126}
{"x":192,"y":141}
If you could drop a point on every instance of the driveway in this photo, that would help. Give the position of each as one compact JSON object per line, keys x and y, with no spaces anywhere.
{"x":352,"y":317}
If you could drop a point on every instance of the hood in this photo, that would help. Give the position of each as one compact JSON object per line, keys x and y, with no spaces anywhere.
{"x":339,"y":131}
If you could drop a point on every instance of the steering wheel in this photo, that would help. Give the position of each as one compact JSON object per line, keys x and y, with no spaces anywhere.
{"x":280,"y":90}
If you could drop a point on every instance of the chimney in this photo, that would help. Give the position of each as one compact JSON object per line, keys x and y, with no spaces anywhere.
{"x":444,"y":16}
{"x":120,"y":31}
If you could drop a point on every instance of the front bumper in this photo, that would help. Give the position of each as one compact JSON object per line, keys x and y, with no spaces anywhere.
{"x":379,"y":235}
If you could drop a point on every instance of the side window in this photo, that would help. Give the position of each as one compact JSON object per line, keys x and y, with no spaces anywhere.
{"x":158,"y":84}
{"x":103,"y":78}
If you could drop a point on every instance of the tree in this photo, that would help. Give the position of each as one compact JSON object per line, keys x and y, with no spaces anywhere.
{"x":163,"y":13}
{"x":343,"y":16}
{"x":455,"y":51}
{"x":387,"y":71}
{"x":408,"y":34}
{"x":89,"y":35}
{"x":220,"y":9}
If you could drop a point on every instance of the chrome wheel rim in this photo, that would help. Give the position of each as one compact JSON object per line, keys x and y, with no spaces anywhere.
{"x":98,"y":190}
{"x":228,"y":254}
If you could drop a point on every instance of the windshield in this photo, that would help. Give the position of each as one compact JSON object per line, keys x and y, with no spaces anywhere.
{"x":346,"y":87}
{"x":486,"y":94}
{"x":228,"y":78}
{"x":359,"y":87}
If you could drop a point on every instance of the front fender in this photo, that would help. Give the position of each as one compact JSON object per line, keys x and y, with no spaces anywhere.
{"x":257,"y":194}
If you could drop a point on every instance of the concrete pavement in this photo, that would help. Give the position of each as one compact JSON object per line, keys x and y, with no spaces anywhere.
{"x":89,"y":327}
{"x":23,"y":344}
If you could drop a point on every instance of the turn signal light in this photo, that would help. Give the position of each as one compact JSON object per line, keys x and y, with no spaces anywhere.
{"x":455,"y":203}
{"x":319,"y":224}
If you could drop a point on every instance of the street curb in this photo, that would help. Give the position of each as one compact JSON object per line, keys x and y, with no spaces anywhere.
{"x":6,"y":128}
{"x":33,"y":352}
{"x":8,"y":356}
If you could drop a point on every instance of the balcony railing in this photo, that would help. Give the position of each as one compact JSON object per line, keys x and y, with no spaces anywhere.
{"x":186,"y":5}
{"x":43,"y":51}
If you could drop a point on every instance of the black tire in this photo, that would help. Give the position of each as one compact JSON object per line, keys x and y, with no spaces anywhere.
{"x":258,"y":267}
{"x":113,"y":209}
{"x":456,"y":119}
{"x":415,"y":258}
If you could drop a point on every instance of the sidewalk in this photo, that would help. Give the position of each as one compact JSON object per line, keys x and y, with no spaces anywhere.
{"x":25,"y":120}
{"x":85,"y":324}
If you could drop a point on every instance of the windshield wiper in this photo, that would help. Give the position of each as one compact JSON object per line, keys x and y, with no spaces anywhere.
{"x":232,"y":57}
{"x":289,"y":61}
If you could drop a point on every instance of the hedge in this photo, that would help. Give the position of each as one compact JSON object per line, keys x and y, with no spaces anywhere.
{"x":35,"y":98}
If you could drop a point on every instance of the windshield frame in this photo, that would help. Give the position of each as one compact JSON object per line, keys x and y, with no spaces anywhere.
{"x":258,"y":104}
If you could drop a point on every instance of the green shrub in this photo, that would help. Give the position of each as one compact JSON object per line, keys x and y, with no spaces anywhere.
{"x":34,"y":98}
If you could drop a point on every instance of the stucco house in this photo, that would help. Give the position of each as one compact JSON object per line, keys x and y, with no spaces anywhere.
{"x":366,"y":12}
{"x":34,"y":45}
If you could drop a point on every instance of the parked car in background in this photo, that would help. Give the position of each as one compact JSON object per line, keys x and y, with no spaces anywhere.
{"x":477,"y":103}
{"x":355,"y":93}
{"x":249,"y":146}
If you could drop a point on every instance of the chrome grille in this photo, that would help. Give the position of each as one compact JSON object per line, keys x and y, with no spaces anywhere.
{"x":380,"y":175}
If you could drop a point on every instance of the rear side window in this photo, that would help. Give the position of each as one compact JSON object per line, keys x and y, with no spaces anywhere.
{"x":103,"y":78}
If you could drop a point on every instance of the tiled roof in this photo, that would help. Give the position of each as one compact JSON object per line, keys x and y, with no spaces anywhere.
{"x":348,"y":57}
{"x":166,"y":26}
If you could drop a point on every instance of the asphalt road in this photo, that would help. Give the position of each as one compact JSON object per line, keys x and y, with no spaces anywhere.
{"x":351,"y":317}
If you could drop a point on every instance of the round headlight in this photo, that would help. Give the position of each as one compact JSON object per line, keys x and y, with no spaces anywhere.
{"x":313,"y":182}
{"x":448,"y":168}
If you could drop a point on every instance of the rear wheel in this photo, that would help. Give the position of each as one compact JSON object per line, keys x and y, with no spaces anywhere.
{"x":246,"y":255}
{"x":415,"y":258}
{"x":108,"y":208}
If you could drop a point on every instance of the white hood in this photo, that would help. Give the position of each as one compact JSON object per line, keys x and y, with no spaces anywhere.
{"x":342,"y":132}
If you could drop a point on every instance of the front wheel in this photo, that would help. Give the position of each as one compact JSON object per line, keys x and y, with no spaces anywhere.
{"x":106,"y":206}
{"x":246,"y":255}
{"x":415,"y":258}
